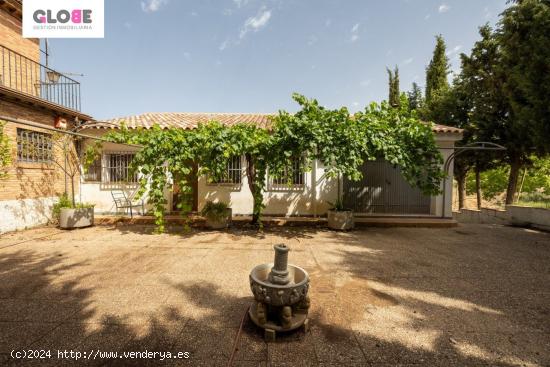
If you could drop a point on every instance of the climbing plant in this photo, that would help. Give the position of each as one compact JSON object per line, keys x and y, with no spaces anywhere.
{"x":343,"y":142}
{"x":340,"y":141}
{"x":5,"y":151}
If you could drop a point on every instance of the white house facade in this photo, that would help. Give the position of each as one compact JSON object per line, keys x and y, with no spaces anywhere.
{"x":381,"y":192}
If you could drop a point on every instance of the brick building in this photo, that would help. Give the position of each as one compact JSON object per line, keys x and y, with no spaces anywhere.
{"x":31,"y":91}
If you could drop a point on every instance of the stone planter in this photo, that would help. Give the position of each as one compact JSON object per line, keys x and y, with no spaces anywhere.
{"x":341,"y":220}
{"x":220,"y":223}
{"x":70,"y":218}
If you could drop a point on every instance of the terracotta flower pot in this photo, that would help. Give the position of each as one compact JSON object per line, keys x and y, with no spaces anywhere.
{"x":341,"y":220}
{"x":76,"y":218}
{"x":220,"y":222}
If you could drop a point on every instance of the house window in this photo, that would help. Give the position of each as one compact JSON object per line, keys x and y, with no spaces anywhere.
{"x":93,"y":173}
{"x":291,"y":179}
{"x":118,"y":168}
{"x":34,"y":146}
{"x":232,"y":174}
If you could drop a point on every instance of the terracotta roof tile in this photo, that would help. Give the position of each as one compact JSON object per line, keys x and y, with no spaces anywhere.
{"x":191,"y":120}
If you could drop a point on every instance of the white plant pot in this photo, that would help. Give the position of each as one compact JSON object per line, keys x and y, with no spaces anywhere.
{"x":76,"y":218}
{"x":220,"y":223}
{"x":340,"y":220}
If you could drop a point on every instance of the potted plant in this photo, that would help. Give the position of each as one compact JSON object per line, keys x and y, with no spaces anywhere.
{"x":339,"y":217}
{"x":218,"y":215}
{"x":70,"y":215}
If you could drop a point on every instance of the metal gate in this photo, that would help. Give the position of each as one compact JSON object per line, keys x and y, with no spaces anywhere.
{"x":384,"y":190}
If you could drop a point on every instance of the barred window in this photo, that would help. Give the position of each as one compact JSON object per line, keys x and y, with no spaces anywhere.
{"x":118,"y":168}
{"x":233,"y":173}
{"x":294,"y":177}
{"x":34,"y":146}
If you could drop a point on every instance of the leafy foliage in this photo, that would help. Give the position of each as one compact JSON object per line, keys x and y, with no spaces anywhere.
{"x":415,"y":97}
{"x":65,"y":202}
{"x":524,"y":38}
{"x":340,"y":141}
{"x":5,"y":151}
{"x":494,"y":181}
{"x":215,"y":211}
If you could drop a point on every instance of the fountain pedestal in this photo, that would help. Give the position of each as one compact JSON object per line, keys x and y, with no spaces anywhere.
{"x":281,"y":301}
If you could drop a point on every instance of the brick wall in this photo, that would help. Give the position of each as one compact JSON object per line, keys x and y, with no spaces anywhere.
{"x":11,"y":37}
{"x":31,"y":180}
{"x":18,"y":72}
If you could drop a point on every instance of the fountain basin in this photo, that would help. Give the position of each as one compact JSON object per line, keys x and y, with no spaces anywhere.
{"x":279,"y":295}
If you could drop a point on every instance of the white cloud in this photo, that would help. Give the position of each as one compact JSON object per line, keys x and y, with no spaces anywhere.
{"x":365,"y":83}
{"x":354,"y":33}
{"x":328,"y":22}
{"x":355,"y":104}
{"x":187,"y":56}
{"x":240,"y":3}
{"x":312,"y":40}
{"x":225,"y":44}
{"x":256,"y":23}
{"x":128,"y":25}
{"x":428,"y":16}
{"x":194,"y":14}
{"x":443,"y":8}
{"x":407,"y":61}
{"x":150,"y":6}
{"x":454,"y":50}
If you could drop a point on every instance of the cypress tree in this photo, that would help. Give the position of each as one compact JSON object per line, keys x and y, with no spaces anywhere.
{"x":415,"y":97}
{"x":437,"y":71}
{"x":393,"y":82}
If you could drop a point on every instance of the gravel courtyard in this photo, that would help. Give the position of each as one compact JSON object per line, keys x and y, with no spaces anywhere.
{"x":473,"y":295}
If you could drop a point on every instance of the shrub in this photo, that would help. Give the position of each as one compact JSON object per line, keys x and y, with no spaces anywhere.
{"x":215,"y":211}
{"x":65,"y":202}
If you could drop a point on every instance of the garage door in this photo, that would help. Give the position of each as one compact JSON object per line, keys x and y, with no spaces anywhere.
{"x":384,"y":190}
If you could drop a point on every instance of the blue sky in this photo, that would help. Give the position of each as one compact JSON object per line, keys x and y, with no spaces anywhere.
{"x":250,"y":55}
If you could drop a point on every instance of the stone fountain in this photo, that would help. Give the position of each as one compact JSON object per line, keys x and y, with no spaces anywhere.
{"x":280,"y":292}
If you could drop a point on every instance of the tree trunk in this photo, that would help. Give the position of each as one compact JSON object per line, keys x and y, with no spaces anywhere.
{"x":72,"y":191}
{"x":515,"y":167}
{"x":251,"y":173}
{"x":461,"y":180}
{"x":478,"y":187}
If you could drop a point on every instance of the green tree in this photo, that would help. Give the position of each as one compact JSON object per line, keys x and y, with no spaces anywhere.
{"x":393,"y":82}
{"x":483,"y":79}
{"x":437,"y":71}
{"x":524,"y":39}
{"x":415,"y":97}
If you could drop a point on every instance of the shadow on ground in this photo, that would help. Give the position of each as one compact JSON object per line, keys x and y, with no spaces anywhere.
{"x":466,"y":297}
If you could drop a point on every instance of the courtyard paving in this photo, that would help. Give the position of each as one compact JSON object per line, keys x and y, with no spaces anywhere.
{"x":475,"y":295}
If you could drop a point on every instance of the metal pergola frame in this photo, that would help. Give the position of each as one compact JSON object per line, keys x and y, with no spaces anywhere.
{"x":482,"y":145}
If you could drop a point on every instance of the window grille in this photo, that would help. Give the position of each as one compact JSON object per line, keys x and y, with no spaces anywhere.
{"x":294,"y":177}
{"x":34,"y":146}
{"x":118,"y":168}
{"x":233,"y":173}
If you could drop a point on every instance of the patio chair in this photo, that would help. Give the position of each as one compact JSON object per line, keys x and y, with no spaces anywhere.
{"x":123,"y":202}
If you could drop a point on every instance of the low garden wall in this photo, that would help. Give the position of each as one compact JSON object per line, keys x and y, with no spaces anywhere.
{"x":25,"y":213}
{"x":513,"y":215}
{"x":529,"y":216}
